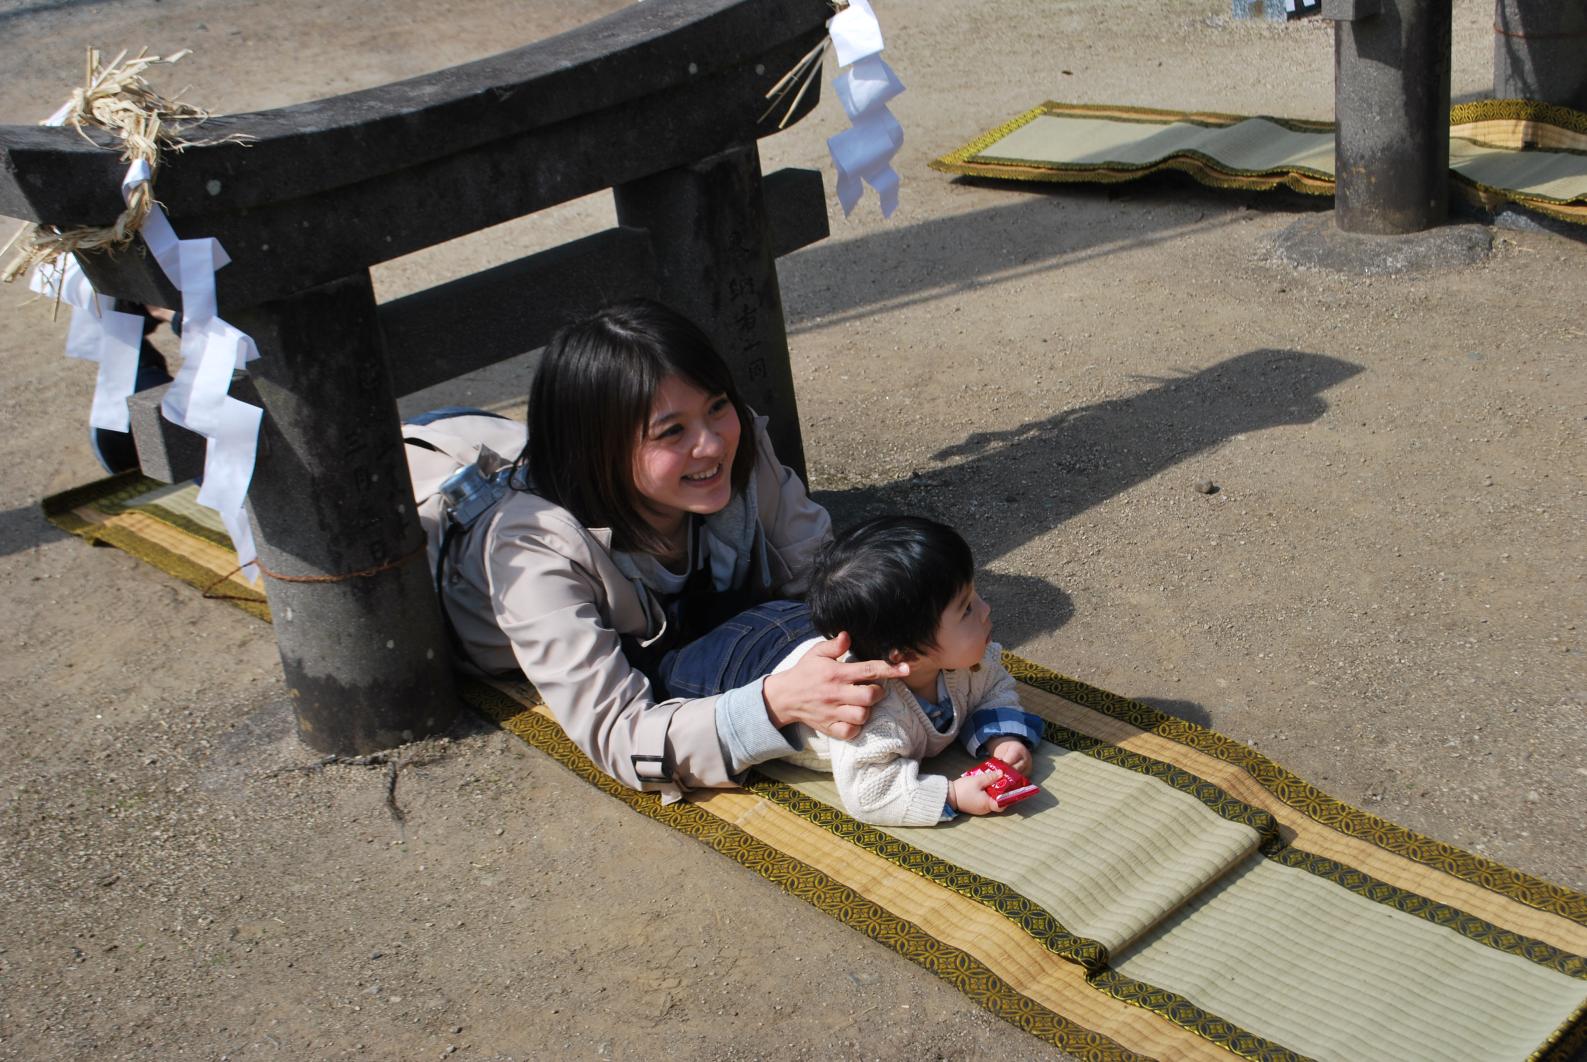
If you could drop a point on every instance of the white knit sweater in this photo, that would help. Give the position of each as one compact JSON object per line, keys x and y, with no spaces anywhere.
{"x":878,"y":772}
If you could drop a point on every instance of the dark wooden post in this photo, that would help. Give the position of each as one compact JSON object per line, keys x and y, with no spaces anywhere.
{"x":357,"y":618}
{"x":1391,"y":113}
{"x":1540,"y":51}
{"x":713,"y":252}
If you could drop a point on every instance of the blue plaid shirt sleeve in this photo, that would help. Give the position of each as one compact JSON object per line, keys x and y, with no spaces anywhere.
{"x":988,"y":723}
{"x":995,"y":710}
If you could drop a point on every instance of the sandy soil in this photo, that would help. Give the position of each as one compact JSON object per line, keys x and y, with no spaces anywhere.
{"x":1385,"y":594}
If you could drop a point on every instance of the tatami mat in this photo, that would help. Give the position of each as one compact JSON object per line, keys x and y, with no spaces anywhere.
{"x":1172,"y":893}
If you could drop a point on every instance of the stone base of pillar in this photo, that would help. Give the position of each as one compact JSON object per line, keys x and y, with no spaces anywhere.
{"x":1316,"y":242}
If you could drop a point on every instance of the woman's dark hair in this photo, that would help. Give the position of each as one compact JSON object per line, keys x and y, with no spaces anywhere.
{"x":887,"y":582}
{"x":591,"y":400}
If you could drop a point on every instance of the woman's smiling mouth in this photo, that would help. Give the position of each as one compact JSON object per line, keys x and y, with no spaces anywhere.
{"x":706,"y":476}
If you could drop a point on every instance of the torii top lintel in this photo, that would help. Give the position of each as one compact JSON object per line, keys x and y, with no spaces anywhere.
{"x":330,"y":187}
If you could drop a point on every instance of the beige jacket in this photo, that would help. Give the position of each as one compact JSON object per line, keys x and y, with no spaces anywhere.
{"x":529,"y":589}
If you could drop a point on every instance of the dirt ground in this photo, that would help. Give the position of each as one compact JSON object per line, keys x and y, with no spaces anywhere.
{"x":1385,"y":593}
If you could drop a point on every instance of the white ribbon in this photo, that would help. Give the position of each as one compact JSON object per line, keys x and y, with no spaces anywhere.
{"x":864,"y":153}
{"x":98,"y":331}
{"x":212,"y":350}
{"x":855,"y":32}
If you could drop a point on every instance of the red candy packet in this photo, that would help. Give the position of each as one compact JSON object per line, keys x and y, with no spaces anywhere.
{"x":1011,"y":786}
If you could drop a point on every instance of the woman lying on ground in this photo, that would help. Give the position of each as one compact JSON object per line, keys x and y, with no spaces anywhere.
{"x":645,"y":509}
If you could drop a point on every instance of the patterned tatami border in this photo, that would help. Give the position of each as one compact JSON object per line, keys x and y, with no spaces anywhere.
{"x":1571,"y":121}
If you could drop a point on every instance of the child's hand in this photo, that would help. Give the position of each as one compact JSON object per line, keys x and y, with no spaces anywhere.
{"x":967,"y":794}
{"x":1012,"y":751}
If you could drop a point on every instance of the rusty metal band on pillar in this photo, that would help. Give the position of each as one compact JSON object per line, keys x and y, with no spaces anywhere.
{"x":1540,"y":51}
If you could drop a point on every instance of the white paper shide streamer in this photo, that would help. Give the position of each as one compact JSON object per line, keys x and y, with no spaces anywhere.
{"x":863,"y":154}
{"x":211,"y":351}
{"x":98,"y":333}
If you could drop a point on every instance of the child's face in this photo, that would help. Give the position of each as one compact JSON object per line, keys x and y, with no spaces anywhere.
{"x":962,"y":633}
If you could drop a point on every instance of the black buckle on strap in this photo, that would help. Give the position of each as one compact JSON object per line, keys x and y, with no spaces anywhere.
{"x":645,"y":772}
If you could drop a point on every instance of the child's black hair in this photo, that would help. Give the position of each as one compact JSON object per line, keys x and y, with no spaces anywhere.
{"x":887,"y":582}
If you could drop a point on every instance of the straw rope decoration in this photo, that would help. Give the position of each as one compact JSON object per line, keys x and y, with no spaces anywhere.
{"x":117,"y":99}
{"x":797,"y":80}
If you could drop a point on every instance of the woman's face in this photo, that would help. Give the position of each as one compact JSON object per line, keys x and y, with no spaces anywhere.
{"x":684,"y":461}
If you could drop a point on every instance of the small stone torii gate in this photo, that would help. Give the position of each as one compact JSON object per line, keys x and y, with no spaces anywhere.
{"x":662,"y":103}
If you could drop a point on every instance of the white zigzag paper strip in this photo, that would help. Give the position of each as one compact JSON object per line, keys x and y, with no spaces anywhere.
{"x":212,"y":350}
{"x":864,"y":153}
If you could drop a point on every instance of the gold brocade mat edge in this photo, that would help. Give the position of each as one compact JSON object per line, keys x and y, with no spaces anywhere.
{"x":1566,"y":1041}
{"x":1285,"y":786}
{"x":959,"y":968}
{"x":109,"y":491}
{"x":1514,"y":110}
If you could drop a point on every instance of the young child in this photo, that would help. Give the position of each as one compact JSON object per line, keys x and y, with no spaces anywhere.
{"x":903,"y":587}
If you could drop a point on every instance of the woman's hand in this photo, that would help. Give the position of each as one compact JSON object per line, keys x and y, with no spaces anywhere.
{"x":825,"y":694}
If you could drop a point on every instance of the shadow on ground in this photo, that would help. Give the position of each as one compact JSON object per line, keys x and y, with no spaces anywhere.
{"x":1004,"y":488}
{"x":1189,"y":711}
{"x":1040,"y":229}
{"x":24,"y":527}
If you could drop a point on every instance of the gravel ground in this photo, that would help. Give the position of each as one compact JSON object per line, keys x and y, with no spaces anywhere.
{"x":1383,"y":593}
